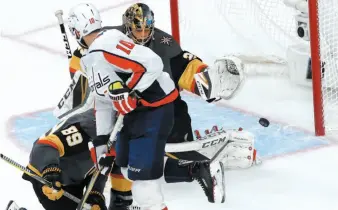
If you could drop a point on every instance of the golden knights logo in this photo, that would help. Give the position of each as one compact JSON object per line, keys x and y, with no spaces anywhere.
{"x":166,"y":40}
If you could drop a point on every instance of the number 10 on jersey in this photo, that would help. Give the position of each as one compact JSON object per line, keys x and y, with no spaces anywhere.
{"x":125,"y":46}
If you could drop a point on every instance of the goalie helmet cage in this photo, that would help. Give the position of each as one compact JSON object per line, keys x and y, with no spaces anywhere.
{"x":277,"y":23}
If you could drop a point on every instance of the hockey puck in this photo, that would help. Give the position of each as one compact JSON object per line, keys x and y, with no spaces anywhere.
{"x":264,"y":122}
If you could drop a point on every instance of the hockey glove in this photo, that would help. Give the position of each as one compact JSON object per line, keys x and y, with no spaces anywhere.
{"x":102,"y":158}
{"x":52,"y":173}
{"x":97,"y":200}
{"x":122,"y":100}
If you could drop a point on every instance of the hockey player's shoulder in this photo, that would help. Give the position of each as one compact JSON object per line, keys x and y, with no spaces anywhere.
{"x":164,"y":38}
{"x":119,"y":28}
{"x":106,"y":39}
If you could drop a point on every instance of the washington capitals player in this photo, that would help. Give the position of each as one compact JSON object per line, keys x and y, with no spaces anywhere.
{"x":128,"y":78}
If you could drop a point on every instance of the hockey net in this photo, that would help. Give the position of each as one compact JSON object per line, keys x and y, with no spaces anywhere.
{"x":260,"y":32}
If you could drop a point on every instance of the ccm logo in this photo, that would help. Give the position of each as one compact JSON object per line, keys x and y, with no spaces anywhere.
{"x":214,"y":142}
{"x":67,"y":94}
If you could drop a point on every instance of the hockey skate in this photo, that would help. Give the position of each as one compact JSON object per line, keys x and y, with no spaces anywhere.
{"x":13,"y":206}
{"x":210,"y":176}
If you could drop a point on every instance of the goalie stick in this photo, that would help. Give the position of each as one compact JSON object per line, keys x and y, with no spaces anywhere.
{"x":38,"y":178}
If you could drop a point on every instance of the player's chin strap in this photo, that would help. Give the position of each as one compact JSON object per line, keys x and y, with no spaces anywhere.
{"x":223,"y":79}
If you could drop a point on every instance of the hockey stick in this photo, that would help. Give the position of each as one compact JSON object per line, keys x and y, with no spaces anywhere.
{"x":59,"y":14}
{"x":90,"y":186}
{"x":117,"y":127}
{"x":39,"y":179}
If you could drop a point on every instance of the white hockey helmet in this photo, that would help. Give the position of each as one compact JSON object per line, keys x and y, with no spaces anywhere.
{"x":83,"y":19}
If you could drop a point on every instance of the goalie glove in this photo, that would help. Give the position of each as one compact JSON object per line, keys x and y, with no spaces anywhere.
{"x":223,"y":79}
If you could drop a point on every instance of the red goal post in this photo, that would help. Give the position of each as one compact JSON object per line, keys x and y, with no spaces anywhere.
{"x":316,"y":68}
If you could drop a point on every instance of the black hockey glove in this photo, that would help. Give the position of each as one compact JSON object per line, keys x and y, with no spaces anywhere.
{"x":97,"y":200}
{"x":52,"y":173}
{"x":101,"y":156}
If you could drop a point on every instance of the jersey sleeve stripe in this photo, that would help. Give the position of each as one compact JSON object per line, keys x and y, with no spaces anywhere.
{"x":167,"y":99}
{"x":127,"y":64}
{"x":53,"y":141}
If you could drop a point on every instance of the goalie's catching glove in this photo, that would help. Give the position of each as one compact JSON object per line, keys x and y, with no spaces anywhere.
{"x":122,"y":100}
{"x":222,"y":80}
{"x":52,"y":173}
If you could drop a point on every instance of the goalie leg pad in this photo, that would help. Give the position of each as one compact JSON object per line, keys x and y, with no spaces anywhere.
{"x":240,"y":152}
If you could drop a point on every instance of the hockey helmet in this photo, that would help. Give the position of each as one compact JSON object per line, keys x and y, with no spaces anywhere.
{"x":83,"y":20}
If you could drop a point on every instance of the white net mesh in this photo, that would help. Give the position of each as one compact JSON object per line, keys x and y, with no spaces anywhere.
{"x":258,"y":30}
{"x":328,"y":33}
{"x":262,"y":28}
{"x":270,"y":20}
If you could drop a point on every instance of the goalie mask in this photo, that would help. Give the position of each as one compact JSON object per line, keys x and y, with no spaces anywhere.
{"x":83,"y":20}
{"x":138,"y":21}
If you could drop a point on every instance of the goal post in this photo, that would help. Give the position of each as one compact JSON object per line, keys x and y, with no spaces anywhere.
{"x":175,"y":26}
{"x":316,"y":68}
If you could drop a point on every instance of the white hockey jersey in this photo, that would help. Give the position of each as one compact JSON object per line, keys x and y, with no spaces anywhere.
{"x":114,"y":57}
